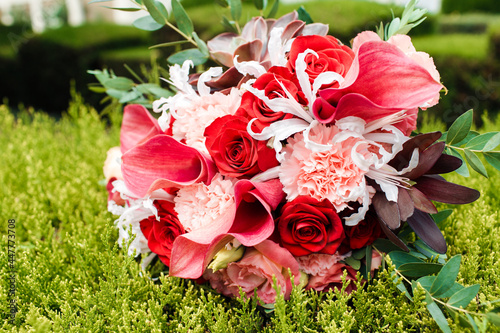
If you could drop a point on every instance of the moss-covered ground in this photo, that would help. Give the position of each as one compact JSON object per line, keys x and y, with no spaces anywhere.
{"x":70,"y":276}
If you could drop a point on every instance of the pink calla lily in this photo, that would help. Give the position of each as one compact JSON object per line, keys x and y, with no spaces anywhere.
{"x":138,"y":125}
{"x":382,"y":80}
{"x":250,"y":222}
{"x":161,"y":162}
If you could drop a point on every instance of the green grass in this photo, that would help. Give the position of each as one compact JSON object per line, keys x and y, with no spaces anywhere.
{"x":470,"y":46}
{"x":71,"y":277}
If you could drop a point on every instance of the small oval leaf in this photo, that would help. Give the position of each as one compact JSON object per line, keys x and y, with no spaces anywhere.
{"x":419,"y":269}
{"x":194,"y":55}
{"x":119,"y":83}
{"x":460,"y":128}
{"x":463,"y":297}
{"x":493,"y":158}
{"x":484,"y":142}
{"x":182,"y":19}
{"x":446,"y":277}
{"x":475,"y":162}
{"x":147,"y":23}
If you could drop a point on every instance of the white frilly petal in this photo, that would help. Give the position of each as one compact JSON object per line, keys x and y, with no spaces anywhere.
{"x":203,"y":89}
{"x":280,"y":130}
{"x":276,"y":48}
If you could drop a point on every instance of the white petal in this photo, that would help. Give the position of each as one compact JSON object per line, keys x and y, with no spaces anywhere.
{"x":276,"y":49}
{"x":203,"y":89}
{"x":253,"y":68}
{"x":314,"y":146}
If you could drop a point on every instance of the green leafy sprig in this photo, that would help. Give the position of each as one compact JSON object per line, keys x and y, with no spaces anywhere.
{"x":410,"y":18}
{"x":464,"y":143}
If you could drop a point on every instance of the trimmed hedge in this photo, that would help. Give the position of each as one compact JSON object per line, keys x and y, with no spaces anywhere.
{"x":463,"y":6}
{"x":71,"y":276}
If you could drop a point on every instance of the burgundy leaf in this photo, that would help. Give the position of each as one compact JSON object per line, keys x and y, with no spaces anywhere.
{"x":386,"y":210}
{"x":438,"y":189}
{"x":426,"y":160}
{"x":405,"y":204}
{"x":445,"y":164}
{"x":421,"y":202}
{"x":421,"y":141}
{"x":425,"y":228}
{"x":392,"y":236}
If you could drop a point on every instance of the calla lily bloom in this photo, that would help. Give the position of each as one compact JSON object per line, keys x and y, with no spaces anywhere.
{"x":382,"y":80}
{"x":162,"y":162}
{"x":250,"y":222}
{"x":138,"y":125}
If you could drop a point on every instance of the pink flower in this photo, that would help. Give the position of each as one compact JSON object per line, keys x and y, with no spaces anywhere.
{"x":195,"y":114}
{"x":318,"y":263}
{"x":258,"y":267}
{"x":330,"y":174}
{"x":381,"y":81}
{"x":201,"y":205}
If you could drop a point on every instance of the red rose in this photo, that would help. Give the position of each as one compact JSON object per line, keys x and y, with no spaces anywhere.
{"x":332,"y":56}
{"x":161,"y":234}
{"x":234,"y":151}
{"x":309,"y":226}
{"x":253,"y":107}
{"x":364,"y":233}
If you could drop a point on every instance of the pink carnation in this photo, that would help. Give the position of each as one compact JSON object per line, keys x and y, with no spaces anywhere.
{"x":194,"y":114}
{"x":318,"y":263}
{"x":330,"y":174}
{"x":199,"y":205}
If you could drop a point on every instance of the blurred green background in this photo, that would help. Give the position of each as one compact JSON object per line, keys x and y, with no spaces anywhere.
{"x":39,"y":69}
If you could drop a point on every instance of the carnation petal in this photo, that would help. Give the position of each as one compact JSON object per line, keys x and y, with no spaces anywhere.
{"x":162,"y":162}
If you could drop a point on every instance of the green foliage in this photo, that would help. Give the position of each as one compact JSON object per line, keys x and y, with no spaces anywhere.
{"x":72,"y":277}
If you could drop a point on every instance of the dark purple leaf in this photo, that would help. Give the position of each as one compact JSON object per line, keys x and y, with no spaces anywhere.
{"x":426,"y":160}
{"x":386,"y":210}
{"x":421,"y":202}
{"x":438,"y":189}
{"x":421,"y":141}
{"x":405,"y":204}
{"x":425,"y":228}
{"x":445,"y":163}
{"x":392,"y":236}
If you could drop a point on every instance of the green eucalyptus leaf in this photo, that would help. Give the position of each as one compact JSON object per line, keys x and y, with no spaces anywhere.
{"x":359,"y":254}
{"x":470,"y":136}
{"x":274,"y":9}
{"x":460,"y":128}
{"x":419,"y":269}
{"x":442,"y":215}
{"x":202,"y":46}
{"x":235,"y":9}
{"x":182,"y":19}
{"x":426,"y":281}
{"x":446,"y":277}
{"x":493,"y":158}
{"x":472,"y":323}
{"x":128,"y":9}
{"x":144,"y":87}
{"x":154,"y":11}
{"x":304,"y":15}
{"x":163,"y":10}
{"x":119,"y":83}
{"x":160,"y":92}
{"x":463,"y":170}
{"x":130,"y":96}
{"x":493,"y":318}
{"x":259,"y":4}
{"x":400,"y":258}
{"x":228,"y":25}
{"x":356,"y":264}
{"x":194,"y":55}
{"x":463,"y":297}
{"x":147,"y":23}
{"x":115,"y":93}
{"x":484,"y":142}
{"x":475,"y":162}
{"x":456,"y":288}
{"x":436,"y":313}
{"x":97,"y":89}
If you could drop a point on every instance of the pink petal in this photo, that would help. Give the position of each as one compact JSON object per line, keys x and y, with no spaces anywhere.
{"x":386,"y":78}
{"x":251,"y":222}
{"x":138,"y":125}
{"x":162,"y":162}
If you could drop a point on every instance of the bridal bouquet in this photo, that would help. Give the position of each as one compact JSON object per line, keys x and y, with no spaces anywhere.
{"x":292,"y":163}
